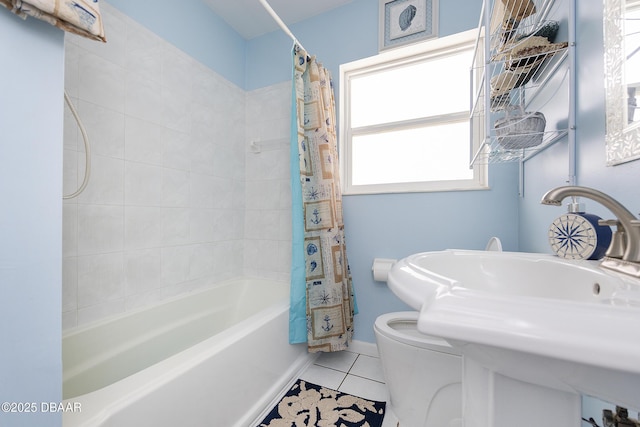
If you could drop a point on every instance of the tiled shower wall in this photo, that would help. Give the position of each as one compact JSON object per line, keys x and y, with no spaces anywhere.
{"x":164,"y":212}
{"x":267,"y":250}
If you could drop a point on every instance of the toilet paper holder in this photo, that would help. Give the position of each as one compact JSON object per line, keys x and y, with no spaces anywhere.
{"x":381,"y":268}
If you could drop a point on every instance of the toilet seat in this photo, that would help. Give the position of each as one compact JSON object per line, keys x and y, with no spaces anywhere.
{"x":402,"y":326}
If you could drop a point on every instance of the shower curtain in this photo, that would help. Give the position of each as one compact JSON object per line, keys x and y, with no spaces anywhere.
{"x":322,"y":298}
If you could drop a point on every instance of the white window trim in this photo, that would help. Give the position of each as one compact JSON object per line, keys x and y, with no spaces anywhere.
{"x":394,"y":58}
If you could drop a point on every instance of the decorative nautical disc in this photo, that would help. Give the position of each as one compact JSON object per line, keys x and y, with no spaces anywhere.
{"x":578,"y":236}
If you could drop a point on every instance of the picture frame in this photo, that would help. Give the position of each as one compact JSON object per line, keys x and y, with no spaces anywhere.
{"x":406,"y":21}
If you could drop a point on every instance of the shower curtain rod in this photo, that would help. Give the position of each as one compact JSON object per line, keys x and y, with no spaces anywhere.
{"x":280,"y":22}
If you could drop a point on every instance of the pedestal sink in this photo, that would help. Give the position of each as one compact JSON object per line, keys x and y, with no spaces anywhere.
{"x":536,"y":331}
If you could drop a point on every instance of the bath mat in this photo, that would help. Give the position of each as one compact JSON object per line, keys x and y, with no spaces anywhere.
{"x":311,"y":405}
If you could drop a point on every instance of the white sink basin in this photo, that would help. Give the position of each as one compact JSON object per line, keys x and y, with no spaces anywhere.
{"x":564,"y":324}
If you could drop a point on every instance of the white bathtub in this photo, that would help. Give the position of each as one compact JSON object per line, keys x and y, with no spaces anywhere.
{"x":215,"y":358}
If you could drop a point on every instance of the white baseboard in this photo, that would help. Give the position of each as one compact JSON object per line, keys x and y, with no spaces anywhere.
{"x":363,"y":347}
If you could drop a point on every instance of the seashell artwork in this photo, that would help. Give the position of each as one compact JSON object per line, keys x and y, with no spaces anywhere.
{"x":311,"y":249}
{"x":407,"y":21}
{"x":406,"y":17}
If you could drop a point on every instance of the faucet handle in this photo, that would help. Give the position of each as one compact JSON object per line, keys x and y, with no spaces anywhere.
{"x":609,"y":222}
{"x":618,"y":239}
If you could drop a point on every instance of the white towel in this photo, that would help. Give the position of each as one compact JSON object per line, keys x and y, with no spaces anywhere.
{"x":76,"y":16}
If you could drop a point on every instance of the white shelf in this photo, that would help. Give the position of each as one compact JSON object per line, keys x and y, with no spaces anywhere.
{"x":522,"y":60}
{"x":492,"y":152}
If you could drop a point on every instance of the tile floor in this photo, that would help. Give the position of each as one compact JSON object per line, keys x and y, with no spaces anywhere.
{"x":354,"y":373}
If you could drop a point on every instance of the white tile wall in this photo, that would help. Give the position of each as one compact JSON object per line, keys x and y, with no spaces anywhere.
{"x":176,"y":201}
{"x":268,"y":191}
{"x":164,"y":210}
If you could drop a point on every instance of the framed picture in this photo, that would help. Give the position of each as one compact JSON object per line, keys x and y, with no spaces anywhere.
{"x":407,"y":21}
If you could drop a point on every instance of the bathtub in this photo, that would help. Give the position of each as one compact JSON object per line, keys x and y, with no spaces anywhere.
{"x":215,"y":358}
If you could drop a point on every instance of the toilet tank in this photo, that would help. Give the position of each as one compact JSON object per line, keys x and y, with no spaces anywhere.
{"x":423,"y":373}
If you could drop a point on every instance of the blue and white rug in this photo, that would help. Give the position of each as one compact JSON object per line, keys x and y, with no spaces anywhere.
{"x":311,"y":405}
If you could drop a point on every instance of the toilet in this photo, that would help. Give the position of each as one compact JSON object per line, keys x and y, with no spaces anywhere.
{"x":423,"y":373}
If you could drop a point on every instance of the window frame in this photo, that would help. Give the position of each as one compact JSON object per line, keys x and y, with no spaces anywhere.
{"x":389,"y":60}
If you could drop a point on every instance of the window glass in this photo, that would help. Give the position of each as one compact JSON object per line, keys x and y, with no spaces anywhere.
{"x":405,"y":122}
{"x":423,"y":88}
{"x":432,"y":153}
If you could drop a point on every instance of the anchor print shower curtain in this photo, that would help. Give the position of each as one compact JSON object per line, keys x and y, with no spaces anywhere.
{"x":322,"y":299}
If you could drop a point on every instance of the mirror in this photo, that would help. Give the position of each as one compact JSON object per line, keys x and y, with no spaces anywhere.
{"x":622,"y":79}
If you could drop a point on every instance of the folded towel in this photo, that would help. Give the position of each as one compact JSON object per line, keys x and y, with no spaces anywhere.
{"x":80,"y":17}
{"x":519,"y":9}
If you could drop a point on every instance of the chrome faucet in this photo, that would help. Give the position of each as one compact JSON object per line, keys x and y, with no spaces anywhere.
{"x":624,"y":252}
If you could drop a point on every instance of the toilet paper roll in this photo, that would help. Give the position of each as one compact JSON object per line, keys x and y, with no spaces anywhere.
{"x":381,"y":267}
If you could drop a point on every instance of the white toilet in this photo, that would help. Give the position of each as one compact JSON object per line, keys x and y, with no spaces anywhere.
{"x":423,"y":373}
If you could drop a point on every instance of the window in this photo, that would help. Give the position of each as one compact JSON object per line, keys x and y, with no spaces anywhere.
{"x":405,"y":120}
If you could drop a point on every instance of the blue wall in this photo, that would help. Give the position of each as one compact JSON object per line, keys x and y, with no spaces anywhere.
{"x":338,"y":36}
{"x":31,"y":94}
{"x":397,"y":225}
{"x":335,"y":37}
